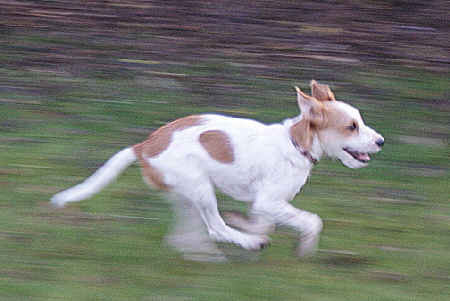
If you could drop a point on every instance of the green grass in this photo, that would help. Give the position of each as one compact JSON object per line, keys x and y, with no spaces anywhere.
{"x":386,"y":231}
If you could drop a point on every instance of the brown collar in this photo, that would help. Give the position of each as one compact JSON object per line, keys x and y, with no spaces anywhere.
{"x":305,"y":153}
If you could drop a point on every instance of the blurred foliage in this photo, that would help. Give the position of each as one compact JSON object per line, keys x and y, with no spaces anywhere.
{"x":80,"y":80}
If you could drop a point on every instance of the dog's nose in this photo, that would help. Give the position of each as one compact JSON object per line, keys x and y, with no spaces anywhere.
{"x":380,"y":142}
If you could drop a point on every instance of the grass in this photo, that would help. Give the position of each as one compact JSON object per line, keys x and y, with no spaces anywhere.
{"x":386,"y":235}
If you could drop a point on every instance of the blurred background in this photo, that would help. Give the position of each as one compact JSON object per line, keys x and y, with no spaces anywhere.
{"x":80,"y":80}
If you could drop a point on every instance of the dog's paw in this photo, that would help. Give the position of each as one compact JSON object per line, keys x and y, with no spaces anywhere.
{"x":308,"y":246}
{"x":264,"y":245}
{"x":256,"y":242}
{"x":309,"y":240}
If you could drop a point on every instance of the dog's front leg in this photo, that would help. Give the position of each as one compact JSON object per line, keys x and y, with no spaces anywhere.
{"x":308,"y":224}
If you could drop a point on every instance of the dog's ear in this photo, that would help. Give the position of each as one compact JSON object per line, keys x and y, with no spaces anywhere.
{"x":303,"y":131}
{"x":309,"y":106}
{"x":321,"y":92}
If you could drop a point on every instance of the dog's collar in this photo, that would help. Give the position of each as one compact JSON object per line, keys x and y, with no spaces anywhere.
{"x":305,"y":153}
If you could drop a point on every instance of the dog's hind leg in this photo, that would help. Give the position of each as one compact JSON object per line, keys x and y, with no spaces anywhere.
{"x":189,"y":235}
{"x":201,"y":193}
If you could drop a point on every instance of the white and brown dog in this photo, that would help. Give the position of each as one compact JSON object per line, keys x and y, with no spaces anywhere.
{"x":264,"y":165}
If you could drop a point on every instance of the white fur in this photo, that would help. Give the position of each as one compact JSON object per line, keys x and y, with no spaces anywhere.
{"x":267,"y":172}
{"x":100,"y":179}
{"x":365,"y":141}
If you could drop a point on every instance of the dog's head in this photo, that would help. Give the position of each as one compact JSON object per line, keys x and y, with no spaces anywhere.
{"x":338,"y":127}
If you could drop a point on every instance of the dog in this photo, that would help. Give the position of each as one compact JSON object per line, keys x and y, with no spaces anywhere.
{"x":264,"y":165}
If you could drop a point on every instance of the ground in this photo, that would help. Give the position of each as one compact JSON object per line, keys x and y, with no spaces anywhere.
{"x":81,"y":81}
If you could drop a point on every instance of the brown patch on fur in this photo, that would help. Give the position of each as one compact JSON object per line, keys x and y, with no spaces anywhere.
{"x":321,"y":92}
{"x":303,"y":131}
{"x":158,"y":142}
{"x":339,"y":122}
{"x":315,"y":114}
{"x":302,"y":134}
{"x":153,"y":176}
{"x":305,"y":96}
{"x":217,"y":144}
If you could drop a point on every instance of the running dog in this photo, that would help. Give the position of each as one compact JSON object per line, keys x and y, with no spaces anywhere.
{"x":264,"y":165}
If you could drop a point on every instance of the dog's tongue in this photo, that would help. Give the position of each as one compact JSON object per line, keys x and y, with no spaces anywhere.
{"x":363,"y":157}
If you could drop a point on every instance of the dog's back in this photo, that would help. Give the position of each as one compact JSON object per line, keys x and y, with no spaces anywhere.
{"x":234,"y":154}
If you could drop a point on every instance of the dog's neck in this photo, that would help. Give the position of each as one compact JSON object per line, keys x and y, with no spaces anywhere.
{"x":305,"y":153}
{"x":312,"y":155}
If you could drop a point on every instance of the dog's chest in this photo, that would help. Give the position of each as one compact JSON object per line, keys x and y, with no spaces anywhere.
{"x":282,"y":181}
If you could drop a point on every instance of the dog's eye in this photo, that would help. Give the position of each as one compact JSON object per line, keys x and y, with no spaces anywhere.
{"x":352,"y":127}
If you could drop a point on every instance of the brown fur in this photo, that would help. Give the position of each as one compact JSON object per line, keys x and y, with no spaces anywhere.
{"x":217,"y":144}
{"x":153,"y":177}
{"x":156,"y":143}
{"x":159,"y":140}
{"x":340,"y":122}
{"x":304,"y":130}
{"x":302,"y":134}
{"x":321,"y":92}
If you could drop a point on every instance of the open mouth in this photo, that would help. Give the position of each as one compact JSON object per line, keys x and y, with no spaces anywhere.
{"x":362,"y":157}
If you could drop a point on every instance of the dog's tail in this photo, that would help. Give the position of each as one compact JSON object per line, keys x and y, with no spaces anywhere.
{"x":99,"y":180}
